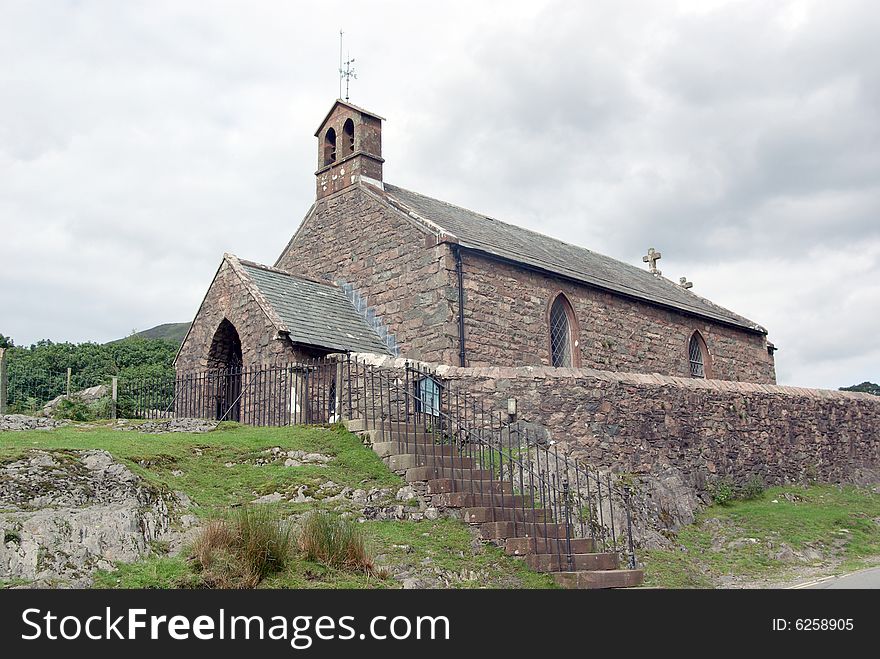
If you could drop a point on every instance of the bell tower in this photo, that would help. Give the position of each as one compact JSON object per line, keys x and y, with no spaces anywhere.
{"x":349,"y":148}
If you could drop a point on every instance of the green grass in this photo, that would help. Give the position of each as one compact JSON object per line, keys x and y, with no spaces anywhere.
{"x":839,"y":522}
{"x":201,"y":459}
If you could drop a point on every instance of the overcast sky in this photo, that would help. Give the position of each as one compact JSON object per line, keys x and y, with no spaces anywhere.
{"x":141,"y":140}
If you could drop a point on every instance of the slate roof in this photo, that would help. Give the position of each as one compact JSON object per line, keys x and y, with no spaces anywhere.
{"x":486,"y":234}
{"x":314,"y":313}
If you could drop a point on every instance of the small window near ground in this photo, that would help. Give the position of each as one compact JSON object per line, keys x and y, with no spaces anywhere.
{"x":428,"y":396}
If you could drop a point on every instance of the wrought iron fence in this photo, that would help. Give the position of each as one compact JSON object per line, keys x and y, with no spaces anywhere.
{"x":304,"y":392}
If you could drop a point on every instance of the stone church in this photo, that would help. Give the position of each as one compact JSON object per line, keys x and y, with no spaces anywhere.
{"x":380,"y":269}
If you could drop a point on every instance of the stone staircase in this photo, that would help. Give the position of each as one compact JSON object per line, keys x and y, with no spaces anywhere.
{"x":445,"y":479}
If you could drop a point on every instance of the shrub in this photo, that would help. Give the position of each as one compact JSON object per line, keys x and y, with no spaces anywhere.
{"x":334,"y":541}
{"x":722,"y":491}
{"x":73,"y":408}
{"x":751,"y":489}
{"x":242,"y":549}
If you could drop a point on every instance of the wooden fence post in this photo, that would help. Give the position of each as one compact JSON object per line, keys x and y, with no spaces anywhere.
{"x":115,"y":389}
{"x":4,"y":381}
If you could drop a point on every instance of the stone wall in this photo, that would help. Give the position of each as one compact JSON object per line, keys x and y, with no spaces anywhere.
{"x":352,"y":236}
{"x":703,"y":429}
{"x":507,"y":324}
{"x":229,"y":298}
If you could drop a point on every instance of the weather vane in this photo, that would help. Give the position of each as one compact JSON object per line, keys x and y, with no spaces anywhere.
{"x":346,"y":70}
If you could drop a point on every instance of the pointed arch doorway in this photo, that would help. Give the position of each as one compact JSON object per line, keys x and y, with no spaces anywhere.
{"x":225,"y":361}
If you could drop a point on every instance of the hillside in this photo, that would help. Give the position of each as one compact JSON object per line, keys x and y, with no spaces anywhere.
{"x":169,"y":331}
{"x":864,"y":387}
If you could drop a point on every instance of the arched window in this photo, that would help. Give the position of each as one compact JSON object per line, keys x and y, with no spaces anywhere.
{"x":330,"y":147}
{"x":698,"y":355}
{"x":348,"y":130}
{"x":561,"y":317}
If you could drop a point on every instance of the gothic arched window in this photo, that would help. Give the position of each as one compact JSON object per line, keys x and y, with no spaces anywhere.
{"x":561,"y":321}
{"x":330,"y":147}
{"x":698,"y":355}
{"x":348,"y":130}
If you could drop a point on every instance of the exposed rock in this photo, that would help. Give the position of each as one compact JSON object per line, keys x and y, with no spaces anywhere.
{"x":66,"y":513}
{"x":19,"y":422}
{"x":175,"y":425}
{"x":87,"y":396}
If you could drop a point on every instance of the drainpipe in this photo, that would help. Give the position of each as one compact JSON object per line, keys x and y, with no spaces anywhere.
{"x":459,"y":272}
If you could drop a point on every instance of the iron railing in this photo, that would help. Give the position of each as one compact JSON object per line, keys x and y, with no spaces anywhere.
{"x":297,"y":393}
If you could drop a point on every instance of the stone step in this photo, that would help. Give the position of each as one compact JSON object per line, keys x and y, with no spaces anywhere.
{"x":462,"y":483}
{"x":504,"y":530}
{"x":448,"y":473}
{"x":396,"y":426}
{"x":377,"y":436}
{"x":384,"y":449}
{"x":355,"y":425}
{"x":476,"y":500}
{"x":562,"y":562}
{"x":523,"y":546}
{"x":480,"y":514}
{"x":600,"y":578}
{"x":409,"y":461}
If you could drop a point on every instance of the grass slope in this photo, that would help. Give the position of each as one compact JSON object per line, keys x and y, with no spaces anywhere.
{"x":196,"y":465}
{"x":772,"y":537}
{"x":174,"y":332}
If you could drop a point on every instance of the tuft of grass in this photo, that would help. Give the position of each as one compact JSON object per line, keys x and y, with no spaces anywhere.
{"x":334,"y":541}
{"x":242,"y":549}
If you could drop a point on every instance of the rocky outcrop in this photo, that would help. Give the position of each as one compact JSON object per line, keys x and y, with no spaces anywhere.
{"x":65,"y":513}
{"x":19,"y":422}
{"x":88,"y":396}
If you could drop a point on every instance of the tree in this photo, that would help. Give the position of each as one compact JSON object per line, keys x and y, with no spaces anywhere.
{"x":6,"y":342}
{"x":865,"y":388}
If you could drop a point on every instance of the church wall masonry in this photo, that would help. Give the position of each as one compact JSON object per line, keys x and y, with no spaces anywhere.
{"x":506,"y":321}
{"x":229,"y":298}
{"x":353,"y":237}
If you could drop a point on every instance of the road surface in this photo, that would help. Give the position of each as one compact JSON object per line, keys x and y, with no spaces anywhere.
{"x":862,"y":580}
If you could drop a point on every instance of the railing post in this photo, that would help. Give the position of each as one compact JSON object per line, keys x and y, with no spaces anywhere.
{"x":629,"y":527}
{"x":114,"y":389}
{"x":4,"y":381}
{"x":69,"y":372}
{"x":338,"y":391}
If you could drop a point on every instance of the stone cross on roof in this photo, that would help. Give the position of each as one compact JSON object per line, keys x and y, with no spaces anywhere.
{"x":684,"y":283}
{"x":651,"y":259}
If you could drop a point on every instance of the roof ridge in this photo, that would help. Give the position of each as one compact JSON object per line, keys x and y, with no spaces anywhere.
{"x":279,"y":271}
